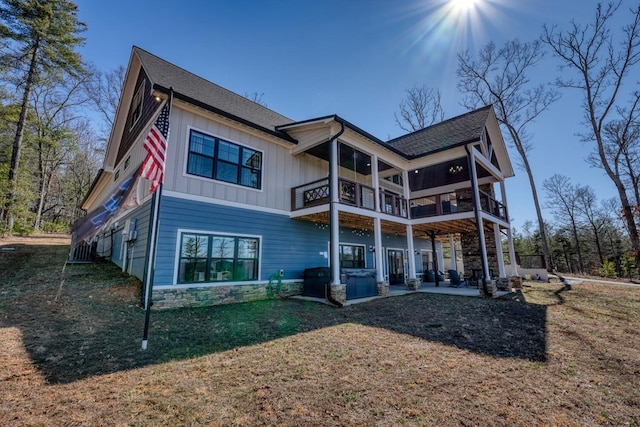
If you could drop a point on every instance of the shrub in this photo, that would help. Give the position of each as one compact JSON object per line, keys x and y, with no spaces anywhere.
{"x":608,"y":269}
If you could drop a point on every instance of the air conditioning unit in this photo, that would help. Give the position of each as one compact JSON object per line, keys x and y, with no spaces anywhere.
{"x":129,"y":232}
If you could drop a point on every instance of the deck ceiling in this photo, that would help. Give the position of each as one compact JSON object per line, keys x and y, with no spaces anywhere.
{"x":362,"y":222}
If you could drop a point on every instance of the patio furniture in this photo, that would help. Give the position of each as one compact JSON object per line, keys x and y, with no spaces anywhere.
{"x":455,"y":280}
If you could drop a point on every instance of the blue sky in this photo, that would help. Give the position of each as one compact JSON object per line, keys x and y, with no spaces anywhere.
{"x":354,"y":58}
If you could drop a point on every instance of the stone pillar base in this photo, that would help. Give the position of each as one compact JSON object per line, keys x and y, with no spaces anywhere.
{"x":491,"y":289}
{"x":338,"y":292}
{"x":383,"y":289}
{"x":503,"y":284}
{"x":516,"y":282}
{"x":413,"y":284}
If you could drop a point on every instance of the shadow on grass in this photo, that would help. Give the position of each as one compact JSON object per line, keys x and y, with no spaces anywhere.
{"x":95,"y":327}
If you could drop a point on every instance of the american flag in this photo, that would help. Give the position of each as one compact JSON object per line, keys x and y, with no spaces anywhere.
{"x":156,"y":145}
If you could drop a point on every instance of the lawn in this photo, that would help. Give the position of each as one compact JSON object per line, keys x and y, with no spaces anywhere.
{"x":71,"y":355}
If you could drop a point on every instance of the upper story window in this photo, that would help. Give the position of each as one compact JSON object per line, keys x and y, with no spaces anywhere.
{"x":222,"y":160}
{"x":396,"y":179}
{"x":136,"y":105}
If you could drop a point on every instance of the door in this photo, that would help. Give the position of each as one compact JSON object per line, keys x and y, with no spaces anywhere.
{"x":395,"y":259}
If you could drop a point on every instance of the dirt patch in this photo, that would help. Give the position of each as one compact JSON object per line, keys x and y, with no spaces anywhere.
{"x":547,"y":356}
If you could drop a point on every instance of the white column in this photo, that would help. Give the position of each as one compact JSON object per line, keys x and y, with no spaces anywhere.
{"x":498,"y":237}
{"x":412,"y":257}
{"x":377,"y":233}
{"x":478,"y":207}
{"x":335,"y":213}
{"x":452,"y":250}
{"x":512,"y":253}
{"x":376,"y":180}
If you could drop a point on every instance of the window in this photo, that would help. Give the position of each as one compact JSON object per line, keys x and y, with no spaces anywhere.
{"x":116,"y":176}
{"x":136,"y":105}
{"x":217,"y":258}
{"x":352,"y":256}
{"x":222,"y":160}
{"x":127,"y":162}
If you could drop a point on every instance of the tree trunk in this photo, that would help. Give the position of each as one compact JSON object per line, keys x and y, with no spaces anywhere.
{"x":534,"y":193}
{"x":575,"y":237}
{"x":17,"y":141}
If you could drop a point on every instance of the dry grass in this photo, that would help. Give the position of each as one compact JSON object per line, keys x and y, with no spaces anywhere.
{"x":547,"y":356}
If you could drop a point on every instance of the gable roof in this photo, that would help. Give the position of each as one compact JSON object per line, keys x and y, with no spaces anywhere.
{"x":453,"y":132}
{"x":203,"y":93}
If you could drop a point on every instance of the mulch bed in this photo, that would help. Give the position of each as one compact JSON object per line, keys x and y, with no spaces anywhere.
{"x":546,"y":356}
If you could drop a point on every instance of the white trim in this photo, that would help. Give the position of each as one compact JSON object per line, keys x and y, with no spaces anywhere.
{"x":203,"y":178}
{"x":176,"y":262}
{"x":209,"y":200}
{"x":364,"y":246}
{"x":219,"y":284}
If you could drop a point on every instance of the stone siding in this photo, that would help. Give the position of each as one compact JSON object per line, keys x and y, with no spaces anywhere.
{"x":225,"y":294}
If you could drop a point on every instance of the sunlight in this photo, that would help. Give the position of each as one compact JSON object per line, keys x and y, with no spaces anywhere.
{"x":464,"y":5}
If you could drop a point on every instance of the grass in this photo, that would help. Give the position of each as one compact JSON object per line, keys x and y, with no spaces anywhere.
{"x":546,"y":356}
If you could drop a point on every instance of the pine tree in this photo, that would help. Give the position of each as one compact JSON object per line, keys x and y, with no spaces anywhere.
{"x":39,"y":37}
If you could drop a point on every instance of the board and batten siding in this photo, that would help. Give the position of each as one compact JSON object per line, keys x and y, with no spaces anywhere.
{"x":287,"y":244}
{"x":280,"y":170}
{"x":138,"y":249}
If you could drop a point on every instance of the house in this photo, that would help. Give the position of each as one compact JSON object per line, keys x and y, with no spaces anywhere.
{"x":252,"y":199}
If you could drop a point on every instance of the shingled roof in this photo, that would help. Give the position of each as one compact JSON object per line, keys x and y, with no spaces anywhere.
{"x":441,"y":136}
{"x":202,"y":92}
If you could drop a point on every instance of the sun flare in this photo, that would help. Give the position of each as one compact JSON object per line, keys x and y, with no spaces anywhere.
{"x":464,"y":5}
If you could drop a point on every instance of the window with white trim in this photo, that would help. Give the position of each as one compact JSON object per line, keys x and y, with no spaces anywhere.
{"x":217,"y":258}
{"x":215,"y":158}
{"x":352,"y":256}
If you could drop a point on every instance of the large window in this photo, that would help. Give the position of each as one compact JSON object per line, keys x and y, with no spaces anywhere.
{"x":136,"y":105}
{"x":222,"y":160}
{"x":352,"y":256}
{"x":217,"y":258}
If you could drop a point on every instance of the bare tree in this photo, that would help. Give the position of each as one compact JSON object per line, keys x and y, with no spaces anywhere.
{"x":564,"y":198}
{"x":500,"y":77}
{"x":421,"y":108}
{"x":256,"y":97}
{"x":595,"y":216}
{"x":104,"y":90}
{"x":55,"y":111}
{"x":603,"y":62}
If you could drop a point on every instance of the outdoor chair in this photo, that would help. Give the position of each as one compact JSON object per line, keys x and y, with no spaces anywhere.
{"x":455,"y":280}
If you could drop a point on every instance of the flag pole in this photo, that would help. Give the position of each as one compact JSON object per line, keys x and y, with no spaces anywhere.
{"x":154,"y":238}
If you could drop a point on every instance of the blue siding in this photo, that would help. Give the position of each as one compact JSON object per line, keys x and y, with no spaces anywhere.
{"x":288,"y":244}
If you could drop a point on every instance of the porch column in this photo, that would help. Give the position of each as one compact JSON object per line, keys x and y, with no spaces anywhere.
{"x":479,"y":221}
{"x":452,"y":250}
{"x":512,"y":252}
{"x":377,"y":235}
{"x":498,"y":237}
{"x":412,"y":256}
{"x":334,"y":261}
{"x":376,"y":181}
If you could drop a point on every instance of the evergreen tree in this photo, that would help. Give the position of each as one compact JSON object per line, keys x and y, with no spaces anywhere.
{"x":39,"y":36}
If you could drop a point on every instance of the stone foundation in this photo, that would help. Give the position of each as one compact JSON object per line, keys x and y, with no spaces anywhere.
{"x":338,"y":292}
{"x":503,"y":284}
{"x":516,"y":282}
{"x":491,"y":289}
{"x":383,"y":289}
{"x":413,"y":284}
{"x":225,"y":294}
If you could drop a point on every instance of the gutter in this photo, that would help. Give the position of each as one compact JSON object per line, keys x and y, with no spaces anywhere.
{"x":331,"y":209}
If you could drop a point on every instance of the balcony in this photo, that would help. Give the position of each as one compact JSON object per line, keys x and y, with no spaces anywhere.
{"x":317,"y":193}
{"x":355,"y":194}
{"x":455,"y":202}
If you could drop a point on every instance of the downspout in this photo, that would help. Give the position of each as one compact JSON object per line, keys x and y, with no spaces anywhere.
{"x":331,"y":210}
{"x":483,"y":255}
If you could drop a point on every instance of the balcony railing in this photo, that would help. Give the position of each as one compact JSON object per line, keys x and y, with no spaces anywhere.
{"x":352,"y":193}
{"x":449,"y":203}
{"x":492,"y":206}
{"x":317,"y":193}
